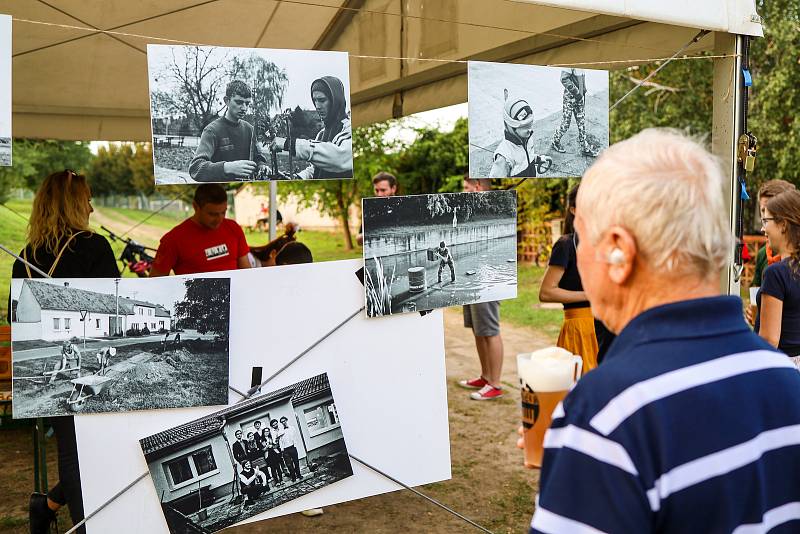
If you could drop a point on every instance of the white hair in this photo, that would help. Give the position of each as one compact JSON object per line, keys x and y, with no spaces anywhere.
{"x":667,"y":190}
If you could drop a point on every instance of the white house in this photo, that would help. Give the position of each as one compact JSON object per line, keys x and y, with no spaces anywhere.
{"x":192,"y":465}
{"x":54,"y":312}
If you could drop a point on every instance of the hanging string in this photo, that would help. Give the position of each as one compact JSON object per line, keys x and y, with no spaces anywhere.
{"x":695,"y":39}
{"x":159,"y":210}
{"x":397,"y":58}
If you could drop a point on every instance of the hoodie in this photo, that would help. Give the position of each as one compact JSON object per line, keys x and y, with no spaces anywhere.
{"x":330,"y":154}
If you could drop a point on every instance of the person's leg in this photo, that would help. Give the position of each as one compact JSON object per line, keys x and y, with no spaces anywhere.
{"x":493,"y":358}
{"x":452,"y":271}
{"x":474,"y":383}
{"x":295,"y":462}
{"x":566,"y":120}
{"x":486,"y":327}
{"x":439,"y":273}
{"x":68,"y":470}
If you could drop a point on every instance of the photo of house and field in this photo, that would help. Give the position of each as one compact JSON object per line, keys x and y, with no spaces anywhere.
{"x":106,"y":345}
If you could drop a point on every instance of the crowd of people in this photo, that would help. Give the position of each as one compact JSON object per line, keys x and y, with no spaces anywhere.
{"x":682,"y":406}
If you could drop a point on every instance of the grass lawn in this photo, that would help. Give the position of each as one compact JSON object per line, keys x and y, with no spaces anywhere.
{"x":525,"y":310}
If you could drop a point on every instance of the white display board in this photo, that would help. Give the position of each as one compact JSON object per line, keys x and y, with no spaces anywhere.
{"x":373,"y":365}
{"x":5,"y":90}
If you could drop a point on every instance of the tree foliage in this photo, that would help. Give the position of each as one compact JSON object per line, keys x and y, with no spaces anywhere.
{"x":680,"y":96}
{"x":206,"y":306}
{"x":34,"y":159}
{"x":122,"y":169}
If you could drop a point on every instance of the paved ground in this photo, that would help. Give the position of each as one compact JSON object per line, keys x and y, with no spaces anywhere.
{"x":96,"y":344}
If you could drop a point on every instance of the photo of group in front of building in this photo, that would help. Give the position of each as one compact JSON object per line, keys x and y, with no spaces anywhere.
{"x":248,"y":458}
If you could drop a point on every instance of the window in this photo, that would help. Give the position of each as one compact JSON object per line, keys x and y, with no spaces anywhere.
{"x":321,"y":418}
{"x":152,"y":326}
{"x":67,"y":323}
{"x":161,"y":324}
{"x":141,"y":311}
{"x":149,"y":311}
{"x":56,"y":323}
{"x":97,"y":323}
{"x":186,"y":469}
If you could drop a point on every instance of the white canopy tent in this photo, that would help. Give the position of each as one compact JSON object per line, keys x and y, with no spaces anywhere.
{"x":80,"y":72}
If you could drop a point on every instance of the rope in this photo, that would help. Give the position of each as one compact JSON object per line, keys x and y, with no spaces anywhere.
{"x":254,"y":389}
{"x":403,"y":58}
{"x":15,"y":212}
{"x":23,"y":260}
{"x":696,"y":38}
{"x":112,"y":499}
{"x":159,"y":210}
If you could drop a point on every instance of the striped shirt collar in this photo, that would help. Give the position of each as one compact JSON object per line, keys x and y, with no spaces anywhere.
{"x":704,"y":317}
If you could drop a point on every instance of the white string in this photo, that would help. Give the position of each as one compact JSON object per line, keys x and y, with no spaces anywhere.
{"x":363,"y":56}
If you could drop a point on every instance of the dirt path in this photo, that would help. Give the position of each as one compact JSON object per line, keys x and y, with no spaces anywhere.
{"x":119,"y":224}
{"x":489,"y":484}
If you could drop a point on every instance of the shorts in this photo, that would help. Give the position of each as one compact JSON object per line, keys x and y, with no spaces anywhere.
{"x":483,"y":318}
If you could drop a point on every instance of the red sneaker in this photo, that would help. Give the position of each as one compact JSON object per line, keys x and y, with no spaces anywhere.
{"x":475,"y":383}
{"x":487,"y":392}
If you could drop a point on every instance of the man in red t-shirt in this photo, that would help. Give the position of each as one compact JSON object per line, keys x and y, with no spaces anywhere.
{"x":206,"y":241}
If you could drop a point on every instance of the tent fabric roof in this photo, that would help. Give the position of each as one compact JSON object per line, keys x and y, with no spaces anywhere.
{"x":72,"y":81}
{"x":174,"y":438}
{"x":58,"y":297}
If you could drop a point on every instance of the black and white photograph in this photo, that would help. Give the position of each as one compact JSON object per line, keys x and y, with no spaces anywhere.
{"x":531,"y":121}
{"x":224,"y":114}
{"x":5,"y":90}
{"x":255,"y":455}
{"x":114,"y":345}
{"x":423,"y":252}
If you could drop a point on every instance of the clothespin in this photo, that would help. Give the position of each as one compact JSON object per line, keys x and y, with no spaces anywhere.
{"x":748,"y":78}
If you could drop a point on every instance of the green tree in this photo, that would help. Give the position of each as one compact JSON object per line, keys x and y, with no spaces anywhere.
{"x":371,"y":153}
{"x":206,"y":306}
{"x":680,"y":96}
{"x":34,"y":159}
{"x":110,"y":171}
{"x":436,"y":161}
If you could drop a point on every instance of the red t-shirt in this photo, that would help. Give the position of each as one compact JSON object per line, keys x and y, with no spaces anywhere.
{"x":190,"y":248}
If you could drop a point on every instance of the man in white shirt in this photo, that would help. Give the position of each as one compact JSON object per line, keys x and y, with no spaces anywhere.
{"x":288,"y":438}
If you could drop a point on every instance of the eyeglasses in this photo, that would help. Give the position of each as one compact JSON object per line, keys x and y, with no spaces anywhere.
{"x":765,"y":219}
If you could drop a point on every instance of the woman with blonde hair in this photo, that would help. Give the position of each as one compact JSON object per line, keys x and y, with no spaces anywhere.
{"x":61,"y":244}
{"x":778,"y":299}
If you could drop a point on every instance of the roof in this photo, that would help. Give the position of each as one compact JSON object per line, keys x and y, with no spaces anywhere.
{"x":107,"y":97}
{"x":178,"y":436}
{"x":59,"y":297}
{"x":160,"y":310}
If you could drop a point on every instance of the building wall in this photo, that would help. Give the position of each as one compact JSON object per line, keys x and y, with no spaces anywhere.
{"x":50,"y":333}
{"x":247,"y":209}
{"x":28,"y":309}
{"x":393,"y":243}
{"x":316,"y":444}
{"x":26,"y":331}
{"x":222,"y":477}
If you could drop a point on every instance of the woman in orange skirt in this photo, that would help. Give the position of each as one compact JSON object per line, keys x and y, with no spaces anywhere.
{"x":581,"y":333}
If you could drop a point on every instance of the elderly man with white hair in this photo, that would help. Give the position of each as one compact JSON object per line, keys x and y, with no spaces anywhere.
{"x":692,"y":422}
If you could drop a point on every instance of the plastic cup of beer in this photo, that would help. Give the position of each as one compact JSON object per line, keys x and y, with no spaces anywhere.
{"x":545,"y":377}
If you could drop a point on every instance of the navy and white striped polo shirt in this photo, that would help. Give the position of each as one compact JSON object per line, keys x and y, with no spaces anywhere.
{"x":690,"y":425}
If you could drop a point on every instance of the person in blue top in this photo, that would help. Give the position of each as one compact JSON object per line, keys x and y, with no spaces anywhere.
{"x":692,"y":422}
{"x":779,"y":296}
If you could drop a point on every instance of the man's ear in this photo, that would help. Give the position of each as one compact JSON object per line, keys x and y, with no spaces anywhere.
{"x":619,"y":251}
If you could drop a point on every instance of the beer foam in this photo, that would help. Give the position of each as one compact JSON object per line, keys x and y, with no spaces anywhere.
{"x":550,"y":369}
